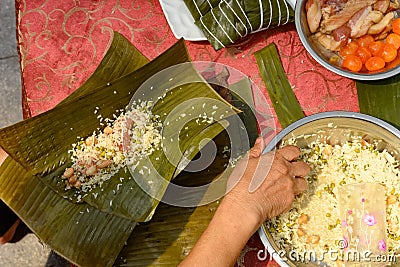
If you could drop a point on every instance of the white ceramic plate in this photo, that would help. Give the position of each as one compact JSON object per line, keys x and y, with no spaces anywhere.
{"x":181,"y":21}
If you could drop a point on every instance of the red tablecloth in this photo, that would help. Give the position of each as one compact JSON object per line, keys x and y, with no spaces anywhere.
{"x":62,"y":42}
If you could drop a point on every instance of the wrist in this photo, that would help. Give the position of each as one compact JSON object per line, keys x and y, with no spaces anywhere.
{"x":240,"y":212}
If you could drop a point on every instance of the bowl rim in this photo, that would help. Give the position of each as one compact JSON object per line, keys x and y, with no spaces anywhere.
{"x":348,"y":74}
{"x":317,"y":116}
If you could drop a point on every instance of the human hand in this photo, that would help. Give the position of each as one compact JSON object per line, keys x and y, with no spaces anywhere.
{"x":259,"y":188}
{"x":3,"y":155}
{"x":8,"y":235}
{"x":264,"y":186}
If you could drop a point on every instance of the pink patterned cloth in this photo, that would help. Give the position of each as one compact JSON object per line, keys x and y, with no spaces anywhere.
{"x":62,"y":42}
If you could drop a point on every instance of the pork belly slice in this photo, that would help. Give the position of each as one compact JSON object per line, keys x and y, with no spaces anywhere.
{"x":363,"y":20}
{"x":338,"y":19}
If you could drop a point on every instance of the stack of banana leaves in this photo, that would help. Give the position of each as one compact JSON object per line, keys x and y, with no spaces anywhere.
{"x":121,"y":222}
{"x":225,"y":22}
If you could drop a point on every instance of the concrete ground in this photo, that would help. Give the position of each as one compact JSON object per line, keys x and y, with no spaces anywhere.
{"x":29,"y":251}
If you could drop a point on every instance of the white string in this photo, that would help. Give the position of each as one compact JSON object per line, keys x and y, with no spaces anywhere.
{"x":222,"y":28}
{"x":201,"y":20}
{"x":244,"y":14}
{"x":244,"y":25}
{"x":280,"y":14}
{"x":240,"y":20}
{"x":231,"y":23}
{"x":210,"y":4}
{"x":261,"y":14}
{"x":287,"y":13}
{"x":197,"y":7}
{"x":270,"y":14}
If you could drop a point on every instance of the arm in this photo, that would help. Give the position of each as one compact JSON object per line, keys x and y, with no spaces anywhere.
{"x":8,"y":234}
{"x":262,"y":187}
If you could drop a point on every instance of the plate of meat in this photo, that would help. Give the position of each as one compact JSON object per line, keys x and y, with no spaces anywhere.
{"x":358,"y":39}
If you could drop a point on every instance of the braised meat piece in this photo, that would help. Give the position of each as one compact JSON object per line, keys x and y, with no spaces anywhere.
{"x":338,"y":15}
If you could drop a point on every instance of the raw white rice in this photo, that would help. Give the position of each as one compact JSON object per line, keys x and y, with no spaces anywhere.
{"x":333,"y":166}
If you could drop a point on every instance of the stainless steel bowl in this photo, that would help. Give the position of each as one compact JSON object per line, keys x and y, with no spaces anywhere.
{"x":345,"y":123}
{"x":321,"y":55}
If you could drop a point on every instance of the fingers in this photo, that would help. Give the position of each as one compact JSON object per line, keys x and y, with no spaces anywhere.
{"x":10,"y":233}
{"x":289,"y":153}
{"x":3,"y":155}
{"x":299,"y":185}
{"x":300,"y":168}
{"x":257,"y":149}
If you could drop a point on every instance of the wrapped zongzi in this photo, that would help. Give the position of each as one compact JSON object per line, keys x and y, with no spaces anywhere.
{"x":225,"y":22}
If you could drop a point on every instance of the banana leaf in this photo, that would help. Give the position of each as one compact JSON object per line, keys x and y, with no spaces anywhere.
{"x":173,"y":231}
{"x":83,"y":235}
{"x":283,"y":99}
{"x":52,"y":218}
{"x":121,"y":58}
{"x":97,"y":237}
{"x":168,"y":238}
{"x":381,"y":99}
{"x":229,"y":21}
{"x":61,"y":126}
{"x":199,"y":8}
{"x":79,"y":232}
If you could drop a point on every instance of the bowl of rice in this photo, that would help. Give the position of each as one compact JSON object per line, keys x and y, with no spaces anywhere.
{"x":342,"y":149}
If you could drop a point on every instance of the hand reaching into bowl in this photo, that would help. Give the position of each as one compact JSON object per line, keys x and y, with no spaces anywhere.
{"x":262,"y":187}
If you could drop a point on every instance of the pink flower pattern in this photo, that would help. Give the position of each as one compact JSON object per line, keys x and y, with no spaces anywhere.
{"x":349,"y":212}
{"x":382,"y":245}
{"x":369,"y":220}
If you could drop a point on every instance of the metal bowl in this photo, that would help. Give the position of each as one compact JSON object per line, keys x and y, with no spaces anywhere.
{"x":322,"y":55}
{"x":338,"y":125}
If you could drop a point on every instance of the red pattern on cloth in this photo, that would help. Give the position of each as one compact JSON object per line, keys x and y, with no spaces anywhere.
{"x":62,"y":42}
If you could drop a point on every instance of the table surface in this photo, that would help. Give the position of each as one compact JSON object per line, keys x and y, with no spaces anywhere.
{"x":62,"y":42}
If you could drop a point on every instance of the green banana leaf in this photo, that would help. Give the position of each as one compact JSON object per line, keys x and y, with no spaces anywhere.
{"x":199,"y":8}
{"x":380,"y":99}
{"x":173,"y":231}
{"x":79,"y":232}
{"x":168,"y":238}
{"x":225,"y":22}
{"x":83,"y":235}
{"x":65,"y":122}
{"x":121,"y":59}
{"x":283,"y":99}
{"x":97,"y":237}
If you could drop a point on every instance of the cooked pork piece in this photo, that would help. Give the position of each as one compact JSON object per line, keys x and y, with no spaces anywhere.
{"x":328,"y":41}
{"x":382,"y":5}
{"x":314,"y":14}
{"x":342,"y":34}
{"x":363,"y":20}
{"x":332,"y":21}
{"x":383,"y":23}
{"x":384,"y":33}
{"x":394,"y":5}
